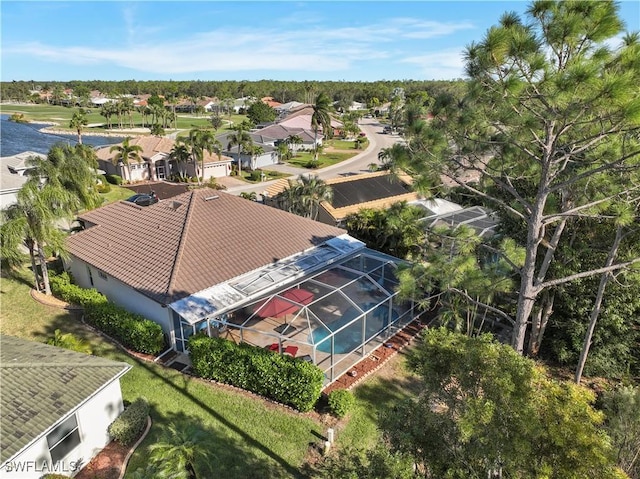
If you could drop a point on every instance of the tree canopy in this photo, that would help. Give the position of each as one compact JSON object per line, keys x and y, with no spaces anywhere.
{"x":485,"y":411}
{"x":547,"y":133}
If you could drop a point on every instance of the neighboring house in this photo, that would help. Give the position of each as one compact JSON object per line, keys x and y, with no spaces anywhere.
{"x":269,"y":101}
{"x":278,"y":132}
{"x":300,"y":117}
{"x":357,"y":106}
{"x":483,"y":221}
{"x":13,"y":174}
{"x":268,"y":157}
{"x":351,"y":194}
{"x":284,"y":108}
{"x":241,"y":104}
{"x":206,"y":261}
{"x":55,"y":407}
{"x":157,"y":164}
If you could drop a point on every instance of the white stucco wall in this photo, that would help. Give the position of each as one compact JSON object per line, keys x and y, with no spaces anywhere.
{"x":93,"y":417}
{"x":120,"y":294}
{"x":7,"y":198}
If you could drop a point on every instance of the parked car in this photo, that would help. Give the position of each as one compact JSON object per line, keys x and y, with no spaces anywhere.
{"x":387,"y":129}
{"x":144,"y":199}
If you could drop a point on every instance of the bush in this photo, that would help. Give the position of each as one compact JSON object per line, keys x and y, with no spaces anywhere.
{"x":113,"y":179}
{"x":132,"y":330}
{"x":55,"y":476}
{"x":256,"y":175}
{"x":276,"y":376}
{"x":62,"y":288}
{"x":130,"y":424}
{"x":341,"y":402}
{"x":103,"y":187}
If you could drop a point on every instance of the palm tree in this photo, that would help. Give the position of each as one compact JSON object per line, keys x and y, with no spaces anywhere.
{"x":32,"y":222}
{"x":304,"y":196}
{"x":294,"y":140}
{"x":78,"y":121}
{"x":321,"y":119}
{"x":70,"y":341}
{"x":284,"y":153}
{"x":201,"y":141}
{"x":242,"y":140}
{"x":125,"y":153}
{"x":72,"y":168}
{"x":183,"y":453}
{"x":180,"y":153}
{"x":255,"y":151}
{"x":107,"y":110}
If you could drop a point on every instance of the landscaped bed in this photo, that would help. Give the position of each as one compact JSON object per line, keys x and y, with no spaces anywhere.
{"x":277,"y":445}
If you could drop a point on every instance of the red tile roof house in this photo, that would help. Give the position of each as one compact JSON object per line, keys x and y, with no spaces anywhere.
{"x":157,"y":164}
{"x":217,"y":263}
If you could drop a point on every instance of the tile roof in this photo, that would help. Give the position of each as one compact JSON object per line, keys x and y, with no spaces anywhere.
{"x":201,"y":238}
{"x":41,"y":384}
{"x":151,"y":146}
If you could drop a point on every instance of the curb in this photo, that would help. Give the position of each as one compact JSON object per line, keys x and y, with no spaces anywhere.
{"x":125,"y":463}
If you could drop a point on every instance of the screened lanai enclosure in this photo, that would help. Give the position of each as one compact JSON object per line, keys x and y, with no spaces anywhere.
{"x":333,"y":317}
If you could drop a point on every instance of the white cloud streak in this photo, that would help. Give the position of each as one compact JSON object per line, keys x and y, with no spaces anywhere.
{"x":441,"y":65}
{"x":244,"y":49}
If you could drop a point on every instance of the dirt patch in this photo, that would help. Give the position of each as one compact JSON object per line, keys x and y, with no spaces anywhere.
{"x":107,"y":464}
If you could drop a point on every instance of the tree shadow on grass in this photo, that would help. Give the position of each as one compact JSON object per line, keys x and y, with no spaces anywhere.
{"x":381,"y":393}
{"x":237,"y":460}
{"x":226,"y":456}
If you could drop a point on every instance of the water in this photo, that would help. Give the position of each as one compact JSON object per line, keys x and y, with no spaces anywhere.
{"x":18,"y":137}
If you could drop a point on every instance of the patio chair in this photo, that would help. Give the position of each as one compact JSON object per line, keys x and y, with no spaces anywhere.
{"x":273,"y":347}
{"x":291,"y":350}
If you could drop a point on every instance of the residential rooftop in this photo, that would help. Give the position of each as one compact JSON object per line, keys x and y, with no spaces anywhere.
{"x":41,"y":384}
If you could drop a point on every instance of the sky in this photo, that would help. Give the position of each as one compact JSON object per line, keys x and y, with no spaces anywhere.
{"x":241,"y":40}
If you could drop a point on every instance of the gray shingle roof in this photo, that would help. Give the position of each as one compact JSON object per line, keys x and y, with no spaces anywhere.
{"x":41,"y":384}
{"x":191,"y":242}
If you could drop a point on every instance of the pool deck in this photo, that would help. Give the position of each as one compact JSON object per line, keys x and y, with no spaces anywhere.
{"x":378,"y":357}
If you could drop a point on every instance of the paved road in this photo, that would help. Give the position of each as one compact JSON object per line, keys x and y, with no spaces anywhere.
{"x":356,"y":165}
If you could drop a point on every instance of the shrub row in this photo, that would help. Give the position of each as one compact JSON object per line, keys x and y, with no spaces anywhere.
{"x":340,"y":402}
{"x":113,"y":179}
{"x":275,"y":376}
{"x":130,"y":424}
{"x":132,"y":330}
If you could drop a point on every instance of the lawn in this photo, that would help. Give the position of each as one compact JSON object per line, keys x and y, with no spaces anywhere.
{"x":62,"y":115}
{"x":325,"y":159}
{"x":250,"y":435}
{"x":275,"y":445}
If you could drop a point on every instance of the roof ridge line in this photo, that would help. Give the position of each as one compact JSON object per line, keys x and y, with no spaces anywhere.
{"x":181,"y":246}
{"x":65,"y":364}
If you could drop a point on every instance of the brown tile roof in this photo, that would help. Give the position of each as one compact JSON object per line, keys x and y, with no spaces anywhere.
{"x":152,"y":145}
{"x":201,"y":238}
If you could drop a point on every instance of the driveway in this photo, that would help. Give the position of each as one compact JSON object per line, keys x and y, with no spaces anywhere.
{"x":353,"y":166}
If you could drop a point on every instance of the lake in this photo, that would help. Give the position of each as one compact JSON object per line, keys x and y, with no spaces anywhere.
{"x":18,"y":137}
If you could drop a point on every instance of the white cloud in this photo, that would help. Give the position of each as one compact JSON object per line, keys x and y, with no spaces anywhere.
{"x":441,"y":65}
{"x":312,"y":48}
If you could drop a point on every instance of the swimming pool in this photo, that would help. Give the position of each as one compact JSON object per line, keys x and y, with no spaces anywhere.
{"x":349,"y":338}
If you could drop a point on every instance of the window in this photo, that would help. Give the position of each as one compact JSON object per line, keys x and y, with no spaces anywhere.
{"x":90,"y":275}
{"x":63,"y":439}
{"x":103,"y":275}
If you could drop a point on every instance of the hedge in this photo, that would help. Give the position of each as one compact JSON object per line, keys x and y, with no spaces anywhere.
{"x":113,"y":179}
{"x":132,"y":330}
{"x":340,"y":402}
{"x":129,"y":425}
{"x":275,"y":376}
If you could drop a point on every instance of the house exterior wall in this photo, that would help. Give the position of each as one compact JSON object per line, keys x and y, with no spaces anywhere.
{"x":266,"y":159}
{"x":120,"y":294}
{"x":325,"y":217}
{"x":8,"y":198}
{"x":93,"y":417}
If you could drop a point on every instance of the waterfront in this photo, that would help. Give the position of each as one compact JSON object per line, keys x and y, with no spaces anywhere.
{"x":18,"y":137}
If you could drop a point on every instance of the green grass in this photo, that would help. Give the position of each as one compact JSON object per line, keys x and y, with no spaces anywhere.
{"x":117,"y":193}
{"x":249,"y":434}
{"x":325,"y":159}
{"x":378,"y":393}
{"x":342,"y":144}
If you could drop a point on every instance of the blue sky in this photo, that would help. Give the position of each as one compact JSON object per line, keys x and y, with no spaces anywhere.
{"x":283,"y":40}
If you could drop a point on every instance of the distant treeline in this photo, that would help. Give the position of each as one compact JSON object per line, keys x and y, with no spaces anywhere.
{"x":282,"y":91}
